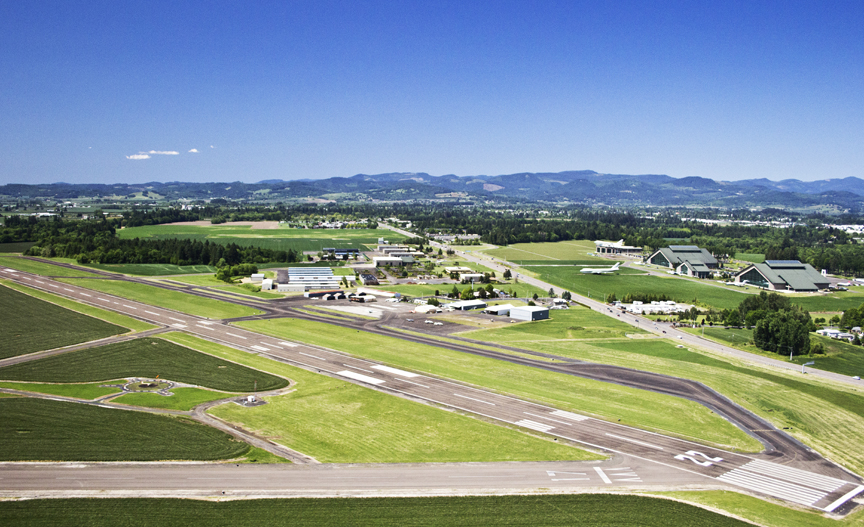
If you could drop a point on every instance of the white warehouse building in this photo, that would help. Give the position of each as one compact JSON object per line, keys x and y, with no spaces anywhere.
{"x":529,"y":313}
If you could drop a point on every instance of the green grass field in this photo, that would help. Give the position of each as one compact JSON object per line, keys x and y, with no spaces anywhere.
{"x":42,"y":430}
{"x":750,"y":257}
{"x":464,"y":511}
{"x":840,"y":357}
{"x":87,"y":391}
{"x":183,"y":398}
{"x":95,"y":312}
{"x":29,"y":324}
{"x":548,"y":252}
{"x":337,"y":421}
{"x":280,"y":239}
{"x":828,"y":417}
{"x":209,"y":280}
{"x":35,"y":267}
{"x":156,"y":296}
{"x":146,"y":357}
{"x":608,"y":401}
{"x":576,"y":323}
{"x":154,"y":269}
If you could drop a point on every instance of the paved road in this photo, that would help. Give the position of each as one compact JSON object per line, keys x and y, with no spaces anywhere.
{"x":821,"y":484}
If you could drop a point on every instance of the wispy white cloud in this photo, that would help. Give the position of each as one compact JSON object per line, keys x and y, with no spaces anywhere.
{"x":138,"y":156}
{"x":193,"y":151}
{"x":211,"y":146}
{"x":162,"y":152}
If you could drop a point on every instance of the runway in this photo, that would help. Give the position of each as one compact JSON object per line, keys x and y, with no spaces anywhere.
{"x":815,"y":482}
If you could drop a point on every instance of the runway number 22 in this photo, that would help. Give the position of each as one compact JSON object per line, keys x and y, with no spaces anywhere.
{"x":691,"y":455}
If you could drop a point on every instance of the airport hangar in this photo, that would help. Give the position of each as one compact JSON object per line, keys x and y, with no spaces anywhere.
{"x":783,"y":275}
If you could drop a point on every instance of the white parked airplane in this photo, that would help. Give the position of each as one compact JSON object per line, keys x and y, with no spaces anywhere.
{"x":600,"y":270}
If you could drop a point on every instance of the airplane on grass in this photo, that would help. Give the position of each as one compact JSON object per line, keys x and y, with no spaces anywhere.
{"x":600,"y":270}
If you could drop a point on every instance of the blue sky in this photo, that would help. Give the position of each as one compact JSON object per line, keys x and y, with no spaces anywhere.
{"x":314,"y":89}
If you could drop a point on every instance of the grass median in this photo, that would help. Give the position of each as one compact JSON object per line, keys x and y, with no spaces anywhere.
{"x":340,"y":422}
{"x":166,"y":298}
{"x":39,"y":267}
{"x":644,"y":409}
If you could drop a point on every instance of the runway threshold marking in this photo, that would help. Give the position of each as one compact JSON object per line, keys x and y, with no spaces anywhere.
{"x":473,"y":399}
{"x":773,"y":487}
{"x":810,"y":479}
{"x":843,"y":499}
{"x":359,"y":377}
{"x":622,"y":438}
{"x":394,"y":371}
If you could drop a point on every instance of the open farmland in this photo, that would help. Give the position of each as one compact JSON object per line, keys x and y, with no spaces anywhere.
{"x":43,"y":430}
{"x":145,"y":357}
{"x":280,"y":239}
{"x":156,"y":296}
{"x":547,"y":252}
{"x":826,"y":416}
{"x":644,"y":409}
{"x":29,"y":324}
{"x":463,"y":511}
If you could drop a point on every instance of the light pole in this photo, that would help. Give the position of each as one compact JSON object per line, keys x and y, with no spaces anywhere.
{"x":791,"y":350}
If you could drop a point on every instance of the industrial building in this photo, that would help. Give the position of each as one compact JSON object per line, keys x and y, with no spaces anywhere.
{"x":604,"y":247}
{"x":687,"y":260}
{"x":395,"y":261}
{"x":368,"y":279}
{"x":312,"y":278}
{"x":500,"y":310}
{"x":782,"y":275}
{"x":529,"y":313}
{"x":466,"y":305}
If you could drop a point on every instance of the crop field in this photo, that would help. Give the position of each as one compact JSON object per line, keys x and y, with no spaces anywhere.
{"x":549,"y":252}
{"x":87,"y":391}
{"x":826,"y":416}
{"x":841,"y":357}
{"x":43,"y":430}
{"x":156,"y":296}
{"x":463,"y":511}
{"x":634,"y":407}
{"x":280,"y":239}
{"x":95,"y":312}
{"x":145,"y":357}
{"x":337,"y":421}
{"x":29,"y":324}
{"x":35,"y":267}
{"x":183,"y":398}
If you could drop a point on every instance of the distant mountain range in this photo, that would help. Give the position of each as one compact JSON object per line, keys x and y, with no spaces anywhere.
{"x":583,"y":187}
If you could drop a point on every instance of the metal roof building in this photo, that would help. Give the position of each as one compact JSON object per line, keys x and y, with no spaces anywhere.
{"x":700,"y":261}
{"x":529,"y":313}
{"x":783,"y":275}
{"x":465,"y":305}
{"x":502,"y":309}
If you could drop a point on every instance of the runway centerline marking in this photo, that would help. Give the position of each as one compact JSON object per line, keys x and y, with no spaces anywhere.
{"x":415,"y":383}
{"x":152,"y":313}
{"x":356,"y":368}
{"x":238,"y":336}
{"x":313,"y":356}
{"x":135,"y":308}
{"x":473,"y":399}
{"x":394,"y":371}
{"x":622,"y":438}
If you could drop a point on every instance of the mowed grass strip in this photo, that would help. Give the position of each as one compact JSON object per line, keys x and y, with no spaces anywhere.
{"x":154,"y":269}
{"x":576,"y":323}
{"x":29,"y":325}
{"x":826,"y":416}
{"x":337,"y":421}
{"x":95,"y":312}
{"x":156,"y":296}
{"x":663,"y":413}
{"x":146,"y":357}
{"x":569,"y":250}
{"x":43,"y":268}
{"x":43,"y":430}
{"x":183,"y":398}
{"x":463,"y":511}
{"x":86,"y":391}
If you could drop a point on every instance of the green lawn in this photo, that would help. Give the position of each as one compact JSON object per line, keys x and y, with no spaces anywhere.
{"x":95,"y":312}
{"x":183,"y":398}
{"x":826,"y":416}
{"x":549,"y":251}
{"x":633,"y":407}
{"x":576,"y":323}
{"x":87,"y":391}
{"x":280,"y":239}
{"x":209,"y":280}
{"x":463,"y":511}
{"x":336,"y":421}
{"x":43,"y":430}
{"x":45,"y":269}
{"x":146,"y":357}
{"x":750,"y":257}
{"x":29,"y":324}
{"x":154,"y":269}
{"x":156,"y":296}
{"x":840,"y":357}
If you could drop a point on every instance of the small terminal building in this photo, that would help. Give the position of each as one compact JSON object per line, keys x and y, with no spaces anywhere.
{"x":529,"y":313}
{"x":687,"y":260}
{"x":782,"y":275}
